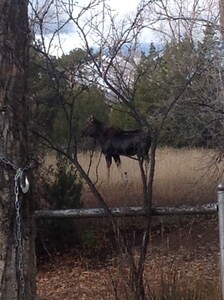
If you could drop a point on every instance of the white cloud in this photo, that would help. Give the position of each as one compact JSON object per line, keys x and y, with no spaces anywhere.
{"x":71,"y":40}
{"x":120,"y":6}
{"x":123,"y":6}
{"x":164,"y":28}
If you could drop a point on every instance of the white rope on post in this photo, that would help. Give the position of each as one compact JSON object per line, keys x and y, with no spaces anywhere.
{"x":220,"y":196}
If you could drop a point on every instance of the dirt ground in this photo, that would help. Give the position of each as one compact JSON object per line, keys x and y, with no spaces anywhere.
{"x":185,"y":255}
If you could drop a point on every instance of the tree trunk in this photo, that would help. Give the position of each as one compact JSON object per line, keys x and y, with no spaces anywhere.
{"x":17,"y":256}
{"x":221,"y":20}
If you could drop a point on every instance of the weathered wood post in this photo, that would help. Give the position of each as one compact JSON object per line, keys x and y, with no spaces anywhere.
{"x":17,"y":234}
{"x":221,"y":231}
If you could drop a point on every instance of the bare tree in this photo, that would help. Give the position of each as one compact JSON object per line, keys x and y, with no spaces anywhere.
{"x":201,"y":23}
{"x":114,"y":66}
{"x":17,"y":263}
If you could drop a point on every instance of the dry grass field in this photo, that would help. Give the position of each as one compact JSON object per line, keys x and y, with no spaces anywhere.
{"x":186,"y":176}
{"x":183,"y":255}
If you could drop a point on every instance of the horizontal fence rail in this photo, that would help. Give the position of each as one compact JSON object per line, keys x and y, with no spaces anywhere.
{"x":213,"y":208}
{"x":127,"y":212}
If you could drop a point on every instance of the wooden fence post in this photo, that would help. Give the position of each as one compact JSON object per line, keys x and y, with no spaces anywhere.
{"x":220,"y":196}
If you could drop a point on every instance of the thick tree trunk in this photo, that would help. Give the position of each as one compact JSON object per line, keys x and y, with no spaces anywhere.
{"x":221,"y":20}
{"x":17,"y":264}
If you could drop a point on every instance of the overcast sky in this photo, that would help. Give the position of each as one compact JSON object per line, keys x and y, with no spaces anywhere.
{"x":68,"y":37}
{"x":70,"y":40}
{"x":123,"y":6}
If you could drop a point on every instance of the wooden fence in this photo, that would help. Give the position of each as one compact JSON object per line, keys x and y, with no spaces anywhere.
{"x":213,"y":208}
{"x":127,"y":211}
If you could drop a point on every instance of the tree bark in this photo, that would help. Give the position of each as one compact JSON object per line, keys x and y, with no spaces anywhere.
{"x":17,"y":273}
{"x":221,"y":20}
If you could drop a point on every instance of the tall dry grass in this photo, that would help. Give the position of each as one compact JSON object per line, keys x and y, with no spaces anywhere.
{"x":180,"y":264}
{"x":183,"y":176}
